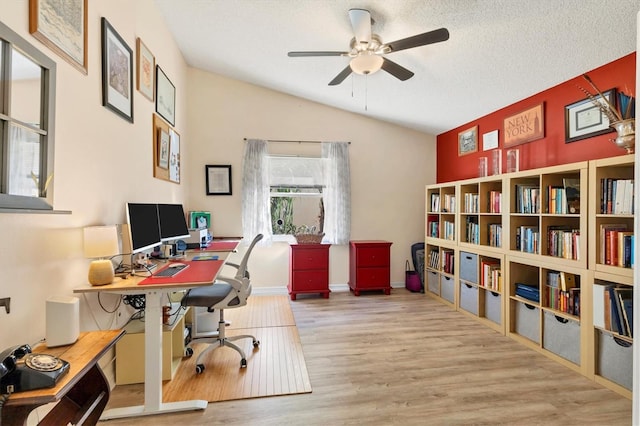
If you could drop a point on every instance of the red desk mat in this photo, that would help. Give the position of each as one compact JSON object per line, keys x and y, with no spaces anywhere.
{"x":221,"y":246}
{"x":199,"y":271}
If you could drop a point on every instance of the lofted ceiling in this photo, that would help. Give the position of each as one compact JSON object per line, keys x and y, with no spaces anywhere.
{"x":499,"y":51}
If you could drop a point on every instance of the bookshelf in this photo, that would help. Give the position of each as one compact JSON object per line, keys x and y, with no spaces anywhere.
{"x":544,"y":228}
{"x":611,"y":225}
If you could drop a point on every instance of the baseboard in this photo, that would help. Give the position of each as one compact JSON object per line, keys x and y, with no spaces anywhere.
{"x":277,"y":291}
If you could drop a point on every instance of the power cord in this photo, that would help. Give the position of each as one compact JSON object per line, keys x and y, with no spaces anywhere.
{"x":3,"y":399}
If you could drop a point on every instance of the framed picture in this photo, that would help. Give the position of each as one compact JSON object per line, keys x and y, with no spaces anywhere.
{"x":584,"y":120}
{"x":490,"y":140}
{"x":165,"y":97}
{"x":145,"y":70}
{"x":61,"y":29}
{"x":117,"y":73}
{"x":525,"y":126}
{"x":468,"y":141}
{"x":218,"y":180}
{"x":163,"y":149}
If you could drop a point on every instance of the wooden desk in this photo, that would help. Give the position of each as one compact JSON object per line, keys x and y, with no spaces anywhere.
{"x":154,"y":298}
{"x":82,"y":393}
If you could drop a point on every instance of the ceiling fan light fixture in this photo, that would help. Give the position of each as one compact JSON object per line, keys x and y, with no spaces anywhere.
{"x":366,"y":63}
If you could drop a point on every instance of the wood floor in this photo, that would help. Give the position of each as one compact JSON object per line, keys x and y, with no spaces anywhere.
{"x":406,"y":359}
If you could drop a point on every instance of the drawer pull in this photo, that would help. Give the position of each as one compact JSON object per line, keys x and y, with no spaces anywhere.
{"x":528,"y":306}
{"x":561,"y":320}
{"x":621,"y":342}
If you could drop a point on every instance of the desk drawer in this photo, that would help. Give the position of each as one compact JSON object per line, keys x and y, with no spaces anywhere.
{"x":372,"y":256}
{"x":372,"y":277}
{"x":310,"y":259}
{"x":310,"y":280}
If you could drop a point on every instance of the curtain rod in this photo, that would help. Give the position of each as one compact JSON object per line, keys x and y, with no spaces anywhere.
{"x":291,"y":141}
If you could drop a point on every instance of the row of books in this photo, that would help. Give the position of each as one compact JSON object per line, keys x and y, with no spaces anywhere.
{"x":433,"y":228}
{"x":563,"y":301}
{"x":616,"y":245}
{"x":528,"y":239}
{"x":527,"y":199}
{"x":447,"y":260}
{"x":471,"y":203}
{"x":447,"y":206}
{"x":563,"y":242}
{"x":449,"y":230}
{"x":472,"y":230}
{"x":495,"y":202}
{"x":616,"y":196}
{"x":495,"y":235}
{"x":490,"y":275}
{"x":563,"y":292}
{"x":561,"y":200}
{"x":613,"y":308}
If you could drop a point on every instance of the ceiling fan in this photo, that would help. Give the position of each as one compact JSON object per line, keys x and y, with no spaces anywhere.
{"x":367,"y":49}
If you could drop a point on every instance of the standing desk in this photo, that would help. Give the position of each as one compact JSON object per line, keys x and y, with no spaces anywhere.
{"x":198,"y":274}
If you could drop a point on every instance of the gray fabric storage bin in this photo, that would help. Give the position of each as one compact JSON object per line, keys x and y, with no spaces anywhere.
{"x":447,"y":289}
{"x":614,"y":361}
{"x":469,"y":298}
{"x":469,"y":267}
{"x":493,"y":306}
{"x":562,"y":337}
{"x":528,"y":321}
{"x":433,"y":282}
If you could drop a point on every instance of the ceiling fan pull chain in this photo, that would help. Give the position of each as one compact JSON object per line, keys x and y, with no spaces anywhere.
{"x":366,"y":91}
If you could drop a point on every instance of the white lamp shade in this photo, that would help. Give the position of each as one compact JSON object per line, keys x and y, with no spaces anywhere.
{"x":366,"y":63}
{"x":100,"y":241}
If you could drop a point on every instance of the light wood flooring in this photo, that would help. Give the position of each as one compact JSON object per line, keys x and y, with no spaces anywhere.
{"x":406,"y":359}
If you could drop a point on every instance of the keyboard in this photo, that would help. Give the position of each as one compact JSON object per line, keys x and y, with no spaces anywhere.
{"x":170,"y":271}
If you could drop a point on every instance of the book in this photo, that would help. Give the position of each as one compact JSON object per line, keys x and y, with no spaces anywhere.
{"x":572,"y":194}
{"x":624,"y":304}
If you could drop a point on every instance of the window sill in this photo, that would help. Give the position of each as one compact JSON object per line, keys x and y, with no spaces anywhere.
{"x":34,"y":211}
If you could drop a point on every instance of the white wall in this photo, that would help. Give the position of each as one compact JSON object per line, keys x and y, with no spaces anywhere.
{"x":103,"y":161}
{"x":390,"y":166}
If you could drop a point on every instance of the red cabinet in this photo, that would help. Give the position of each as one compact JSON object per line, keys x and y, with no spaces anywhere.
{"x":369,"y":266}
{"x":308,"y":269}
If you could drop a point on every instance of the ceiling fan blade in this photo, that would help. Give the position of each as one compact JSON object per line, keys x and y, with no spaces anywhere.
{"x":361,"y":24}
{"x":430,"y":37}
{"x":305,"y":54}
{"x":340,"y":77}
{"x":396,"y":70}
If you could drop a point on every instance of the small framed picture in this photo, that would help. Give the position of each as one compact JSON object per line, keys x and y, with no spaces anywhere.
{"x":62,"y":27}
{"x":145,"y":70}
{"x":218,"y":180}
{"x":199,"y":220}
{"x":165,"y":97}
{"x":117,"y":73}
{"x":468,"y":141}
{"x":584,"y":119}
{"x":163,"y":149}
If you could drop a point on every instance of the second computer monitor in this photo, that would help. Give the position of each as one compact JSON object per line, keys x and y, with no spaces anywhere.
{"x":173,"y":223}
{"x":144,"y":227}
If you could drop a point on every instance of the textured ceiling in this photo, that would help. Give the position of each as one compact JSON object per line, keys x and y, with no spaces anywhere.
{"x":499,"y":51}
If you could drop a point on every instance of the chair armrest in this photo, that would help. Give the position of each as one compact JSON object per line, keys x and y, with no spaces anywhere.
{"x":237,"y":285}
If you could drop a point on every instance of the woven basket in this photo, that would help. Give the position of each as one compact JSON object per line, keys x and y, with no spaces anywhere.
{"x":309,"y":238}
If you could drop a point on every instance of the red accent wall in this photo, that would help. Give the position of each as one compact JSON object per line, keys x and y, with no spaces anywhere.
{"x":552,"y":149}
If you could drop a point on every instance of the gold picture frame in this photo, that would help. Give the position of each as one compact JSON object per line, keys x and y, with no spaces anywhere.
{"x":145,"y":70}
{"x":468,"y":141}
{"x":63,"y":31}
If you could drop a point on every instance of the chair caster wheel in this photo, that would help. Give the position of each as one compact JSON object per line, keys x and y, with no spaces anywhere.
{"x":256,"y":343}
{"x":188,"y":352}
{"x":243,"y":363}
{"x":199,"y":368}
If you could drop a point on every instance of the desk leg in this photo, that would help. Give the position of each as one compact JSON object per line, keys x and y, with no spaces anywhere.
{"x":153,"y":368}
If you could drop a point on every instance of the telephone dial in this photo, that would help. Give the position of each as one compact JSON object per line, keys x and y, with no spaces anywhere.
{"x":22,"y":370}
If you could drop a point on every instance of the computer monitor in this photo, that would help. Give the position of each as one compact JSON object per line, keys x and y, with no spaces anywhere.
{"x":144,"y":227}
{"x":173,"y":224}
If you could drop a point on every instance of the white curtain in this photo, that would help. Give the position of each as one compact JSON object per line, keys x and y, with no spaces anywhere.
{"x":256,"y":211}
{"x":337,"y":193}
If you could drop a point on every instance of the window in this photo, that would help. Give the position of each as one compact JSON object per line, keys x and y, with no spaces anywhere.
{"x":295,"y":185}
{"x":27,"y":99}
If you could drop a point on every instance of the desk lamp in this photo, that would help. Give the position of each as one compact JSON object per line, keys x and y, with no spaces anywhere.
{"x":100,"y":242}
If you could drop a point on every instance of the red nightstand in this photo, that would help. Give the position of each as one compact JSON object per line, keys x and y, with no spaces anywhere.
{"x":369,"y":266}
{"x":309,"y":269}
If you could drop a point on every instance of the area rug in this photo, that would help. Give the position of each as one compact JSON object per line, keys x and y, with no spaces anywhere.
{"x":277,"y":367}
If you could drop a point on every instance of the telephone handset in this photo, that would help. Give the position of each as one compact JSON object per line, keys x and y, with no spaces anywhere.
{"x":22,"y":370}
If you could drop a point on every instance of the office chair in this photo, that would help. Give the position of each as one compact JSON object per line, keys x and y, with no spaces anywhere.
{"x":225,"y":293}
